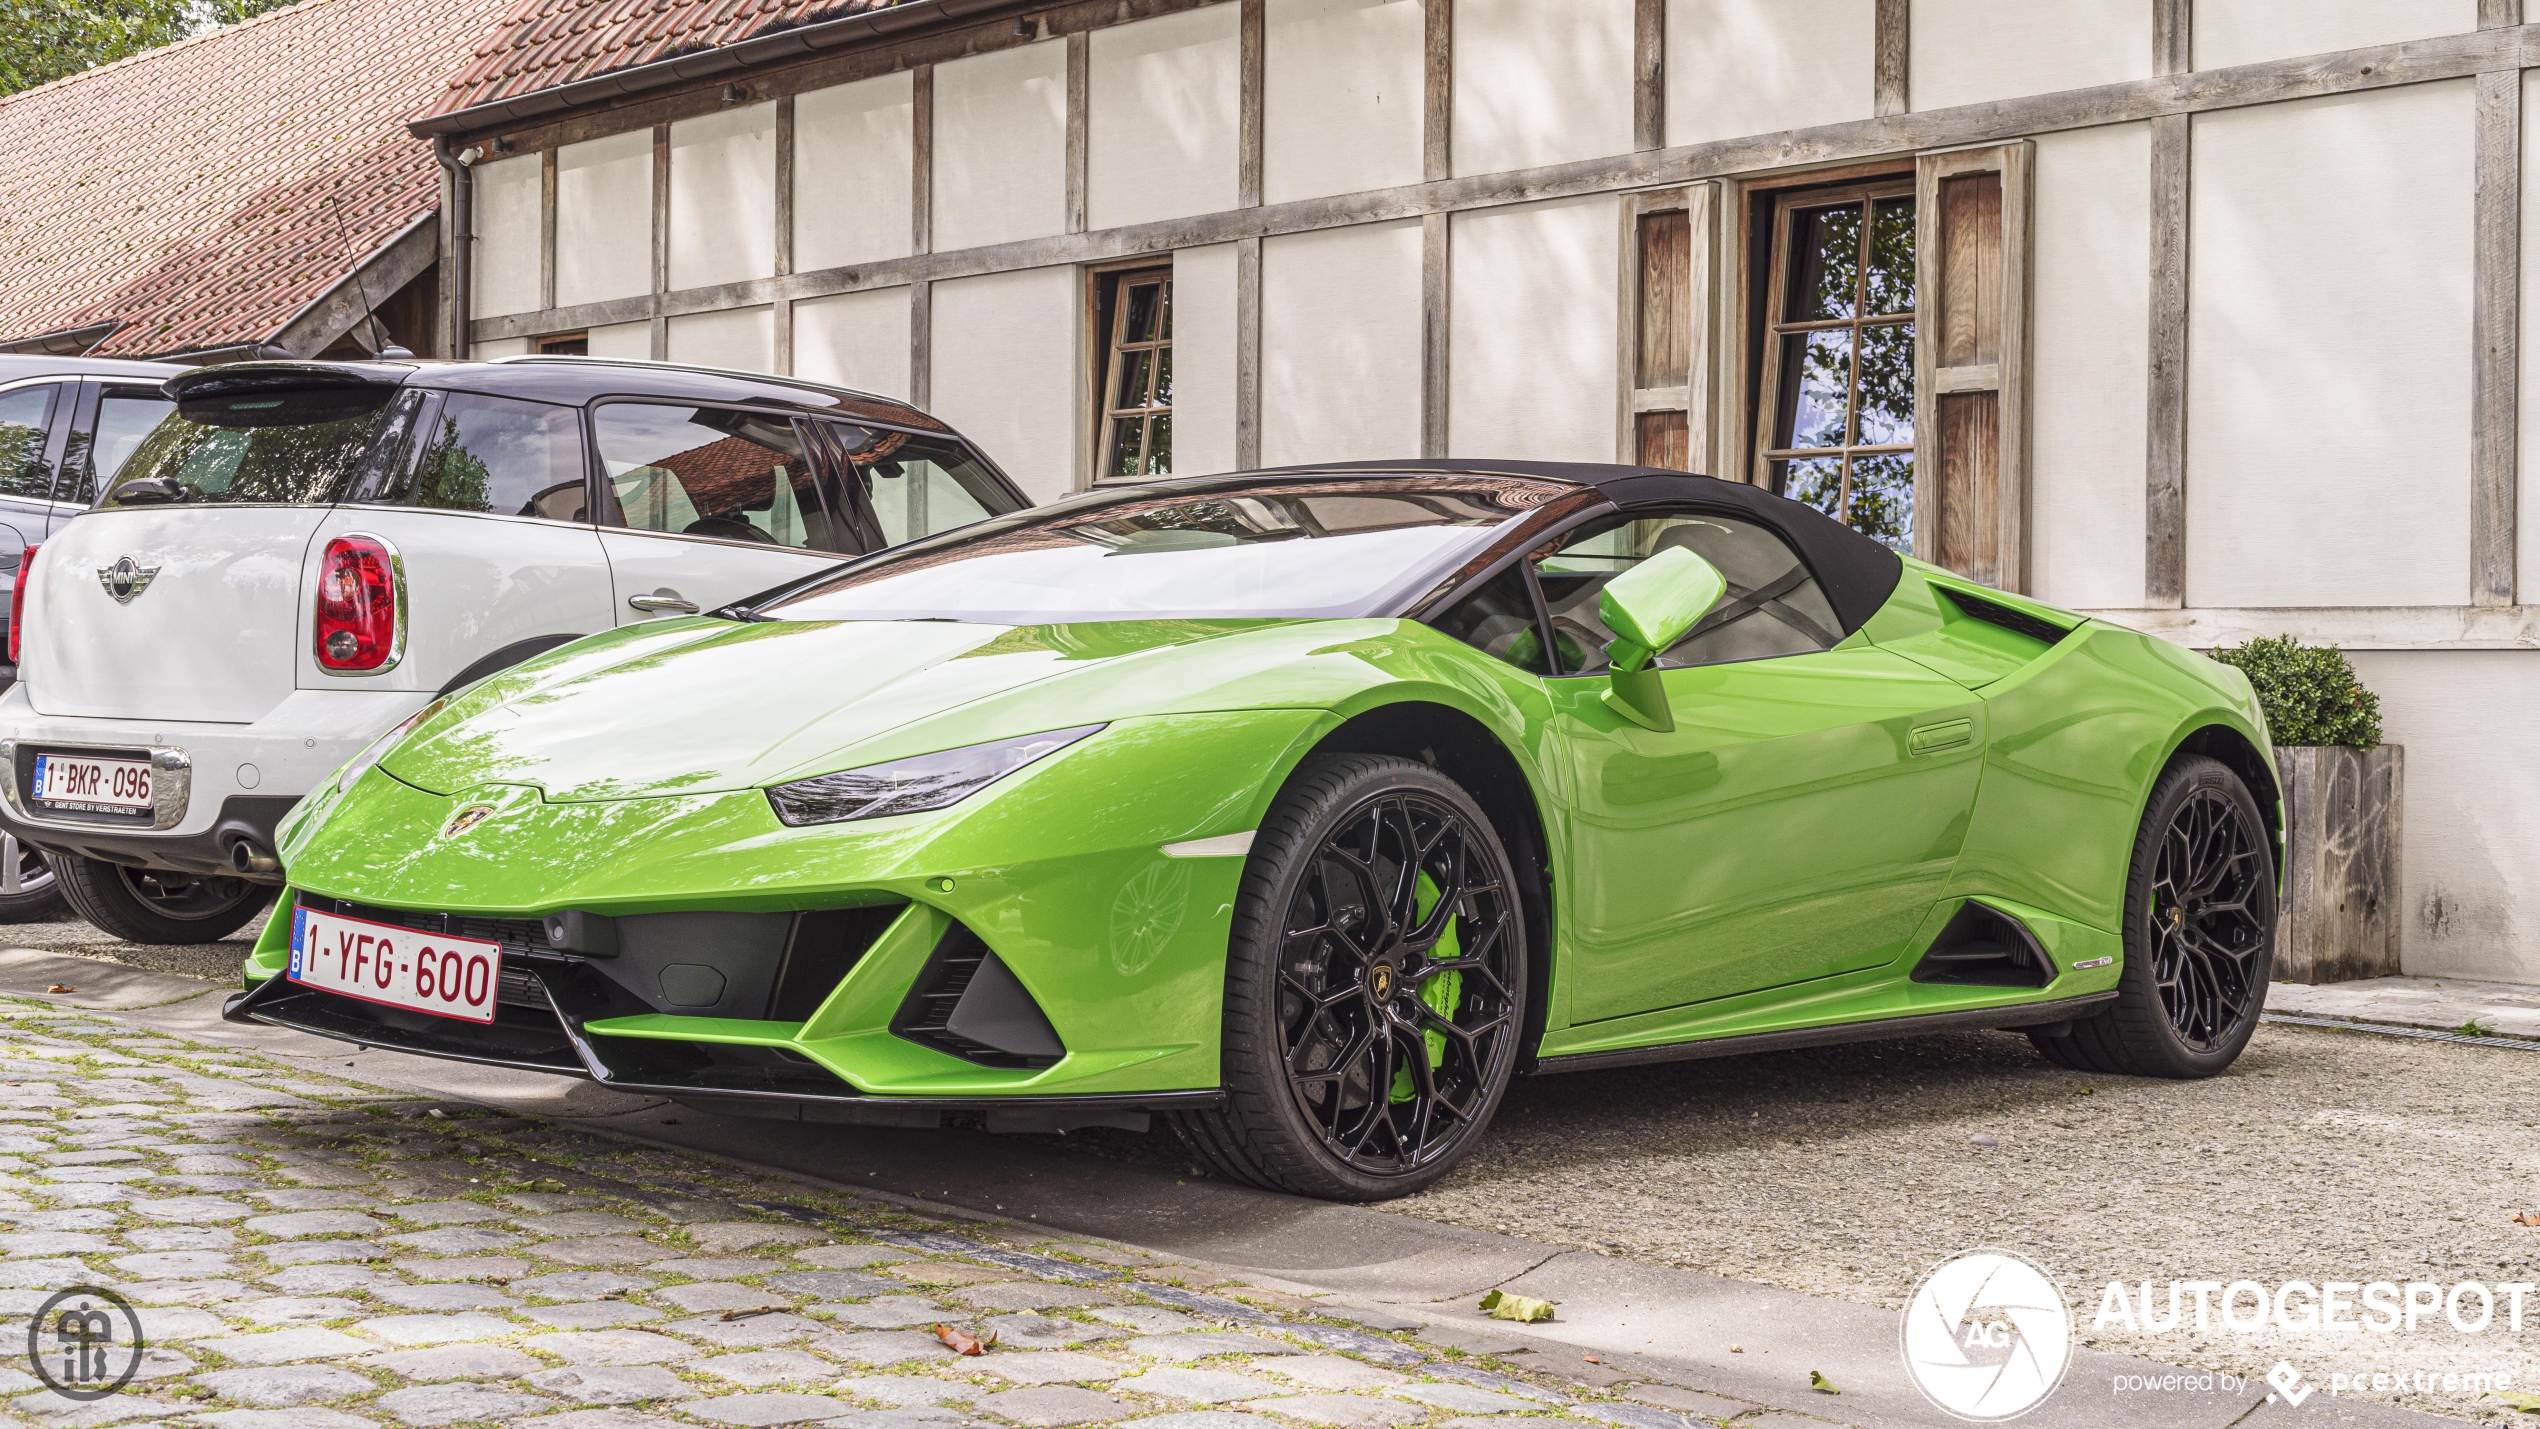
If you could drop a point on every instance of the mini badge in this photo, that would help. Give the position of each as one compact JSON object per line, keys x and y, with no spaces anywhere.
{"x":466,"y":819}
{"x":126,"y":579}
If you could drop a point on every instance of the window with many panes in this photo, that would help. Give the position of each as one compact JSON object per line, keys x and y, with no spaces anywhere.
{"x":1838,"y":373}
{"x":1134,"y":313}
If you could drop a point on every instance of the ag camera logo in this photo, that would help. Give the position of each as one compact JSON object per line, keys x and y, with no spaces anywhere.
{"x":1987,"y":1336}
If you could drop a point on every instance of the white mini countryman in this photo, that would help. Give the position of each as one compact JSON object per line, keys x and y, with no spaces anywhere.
{"x":302,"y":555}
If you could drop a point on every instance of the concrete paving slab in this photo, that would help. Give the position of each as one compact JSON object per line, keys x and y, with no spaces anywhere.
{"x":2436,"y":1004}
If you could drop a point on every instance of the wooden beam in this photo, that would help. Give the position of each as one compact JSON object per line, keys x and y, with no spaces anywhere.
{"x":921,"y":344}
{"x":781,"y":315}
{"x":2499,"y":14}
{"x":1247,"y":354}
{"x":2420,"y":627}
{"x":1437,"y":90}
{"x":661,"y":242}
{"x":784,"y":190}
{"x":1080,"y":55}
{"x":1649,"y":74}
{"x":547,"y":228}
{"x":1436,"y":283}
{"x":1251,"y":36}
{"x":2202,"y":91}
{"x":2172,"y":32}
{"x":357,"y":295}
{"x":2495,"y":326}
{"x":1891,"y":47}
{"x":921,"y":160}
{"x":2165,"y":405}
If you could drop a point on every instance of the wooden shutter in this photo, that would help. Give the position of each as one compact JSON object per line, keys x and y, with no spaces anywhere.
{"x":1971,"y":362}
{"x":1665,"y":355}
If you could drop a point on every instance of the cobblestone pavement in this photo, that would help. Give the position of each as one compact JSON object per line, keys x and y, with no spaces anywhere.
{"x":308,"y":1253}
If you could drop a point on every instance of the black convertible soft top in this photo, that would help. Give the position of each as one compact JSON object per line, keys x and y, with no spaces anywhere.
{"x":1857,"y":574}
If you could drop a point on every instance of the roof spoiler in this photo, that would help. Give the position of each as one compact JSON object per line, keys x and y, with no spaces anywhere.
{"x":234,"y":378}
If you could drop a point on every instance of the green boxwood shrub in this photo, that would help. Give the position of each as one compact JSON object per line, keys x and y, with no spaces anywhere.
{"x":2309,"y":692}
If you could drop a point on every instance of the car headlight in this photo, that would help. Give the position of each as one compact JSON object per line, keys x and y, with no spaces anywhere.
{"x":378,"y":748}
{"x":912,"y":786}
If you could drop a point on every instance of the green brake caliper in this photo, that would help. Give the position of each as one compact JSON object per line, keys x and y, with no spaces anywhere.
{"x":1442,"y":992}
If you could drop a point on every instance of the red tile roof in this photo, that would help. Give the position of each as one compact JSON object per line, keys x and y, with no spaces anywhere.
{"x":185,"y":193}
{"x":541,"y":44}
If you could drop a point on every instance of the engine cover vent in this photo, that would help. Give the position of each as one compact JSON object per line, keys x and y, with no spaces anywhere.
{"x":1985,"y":947}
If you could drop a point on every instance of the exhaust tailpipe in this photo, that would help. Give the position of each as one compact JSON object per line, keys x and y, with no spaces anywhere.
{"x":253,"y":861}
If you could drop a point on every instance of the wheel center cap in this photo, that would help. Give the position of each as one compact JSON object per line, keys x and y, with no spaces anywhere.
{"x":1380,"y":981}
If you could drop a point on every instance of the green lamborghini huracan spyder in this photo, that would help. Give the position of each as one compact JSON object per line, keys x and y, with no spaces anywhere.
{"x":1305,"y":808}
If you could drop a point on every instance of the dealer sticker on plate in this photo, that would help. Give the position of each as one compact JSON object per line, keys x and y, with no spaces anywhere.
{"x":396,"y":967}
{"x":78,"y":781}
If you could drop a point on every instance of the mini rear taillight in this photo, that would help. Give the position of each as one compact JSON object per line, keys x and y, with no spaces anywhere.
{"x":358,"y":622}
{"x":17,"y":605}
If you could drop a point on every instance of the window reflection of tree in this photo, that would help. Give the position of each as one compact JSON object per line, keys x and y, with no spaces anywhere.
{"x":1840,"y":373}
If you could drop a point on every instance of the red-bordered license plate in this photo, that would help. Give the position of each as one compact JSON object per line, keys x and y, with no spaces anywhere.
{"x":397,"y":967}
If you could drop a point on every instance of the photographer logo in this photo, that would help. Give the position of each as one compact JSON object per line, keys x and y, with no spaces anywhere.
{"x":1987,"y":1336}
{"x":85,"y":1343}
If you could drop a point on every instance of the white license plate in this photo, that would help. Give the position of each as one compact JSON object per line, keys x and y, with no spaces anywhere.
{"x":398,"y":967}
{"x":77,"y":781}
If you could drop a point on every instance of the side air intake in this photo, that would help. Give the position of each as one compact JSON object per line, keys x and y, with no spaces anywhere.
{"x":1985,"y":947}
{"x":967,"y":1003}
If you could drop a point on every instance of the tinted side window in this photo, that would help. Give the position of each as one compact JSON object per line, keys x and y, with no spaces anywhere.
{"x":26,"y":423}
{"x":124,"y":416}
{"x":920,"y":485}
{"x":1773,"y":605}
{"x":1499,"y":621}
{"x":498,"y":455}
{"x":703,"y":471}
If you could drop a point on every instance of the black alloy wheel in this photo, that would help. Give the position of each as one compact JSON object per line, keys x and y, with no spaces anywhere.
{"x":1375,"y":987}
{"x":2209,"y":950}
{"x":149,"y":905}
{"x":2199,"y":935}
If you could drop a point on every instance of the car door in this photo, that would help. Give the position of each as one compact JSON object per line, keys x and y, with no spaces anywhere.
{"x":702,"y":505}
{"x":1802,"y":815}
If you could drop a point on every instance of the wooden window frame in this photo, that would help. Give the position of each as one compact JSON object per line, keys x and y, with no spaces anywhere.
{"x":1700,"y":205}
{"x":553,"y":343}
{"x":1776,"y":330}
{"x":1102,"y":352}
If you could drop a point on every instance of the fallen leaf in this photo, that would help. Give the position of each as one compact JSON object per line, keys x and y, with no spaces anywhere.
{"x":61,"y":987}
{"x":1821,"y":1384}
{"x":756,"y":1310}
{"x":1591,"y":1359}
{"x":2527,"y":1219}
{"x":1524,"y":1309}
{"x":962,"y":1341}
{"x":2527,"y":1403}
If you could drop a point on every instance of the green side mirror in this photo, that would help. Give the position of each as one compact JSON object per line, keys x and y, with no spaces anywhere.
{"x":1649,"y":608}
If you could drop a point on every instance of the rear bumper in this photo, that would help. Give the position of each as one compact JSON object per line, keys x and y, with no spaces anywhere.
{"x":239,"y":779}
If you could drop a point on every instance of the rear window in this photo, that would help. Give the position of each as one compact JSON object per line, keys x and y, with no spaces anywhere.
{"x":290,"y":448}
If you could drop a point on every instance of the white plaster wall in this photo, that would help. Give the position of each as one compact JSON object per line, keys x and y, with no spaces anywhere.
{"x":1539,"y":83}
{"x":852,"y":145}
{"x":1204,"y":360}
{"x":2328,"y":372}
{"x":623,"y":340}
{"x":506,"y":221}
{"x":2470,"y":811}
{"x":1341,"y":92}
{"x":1001,"y":146}
{"x":2527,"y":507}
{"x":1531,"y":341}
{"x":857,"y":340}
{"x":723,"y":197}
{"x":604,"y":218}
{"x":1738,"y":67}
{"x":743,"y":338}
{"x":1340,"y":344}
{"x":1969,"y":51}
{"x":1007,"y":371}
{"x":2090,"y":321}
{"x":499,"y":347}
{"x":1161,"y":108}
{"x":2234,"y":32}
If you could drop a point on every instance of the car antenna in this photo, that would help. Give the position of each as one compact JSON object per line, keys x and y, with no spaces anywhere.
{"x":381,"y":344}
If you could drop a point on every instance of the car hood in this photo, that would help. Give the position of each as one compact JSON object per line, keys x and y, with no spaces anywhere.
{"x":702,"y":706}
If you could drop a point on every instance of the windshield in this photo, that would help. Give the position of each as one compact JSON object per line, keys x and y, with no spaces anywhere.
{"x":288,"y":447}
{"x":1219,"y":549}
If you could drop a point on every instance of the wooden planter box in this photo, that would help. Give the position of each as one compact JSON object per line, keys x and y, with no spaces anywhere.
{"x":2339,"y":920}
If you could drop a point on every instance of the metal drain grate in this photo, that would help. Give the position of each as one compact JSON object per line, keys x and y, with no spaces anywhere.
{"x":2422,"y":1034}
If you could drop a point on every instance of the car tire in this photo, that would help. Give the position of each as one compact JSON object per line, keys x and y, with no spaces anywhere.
{"x":143,"y":905}
{"x":2199,"y":935}
{"x":39,"y":895}
{"x":1438,"y":1030}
